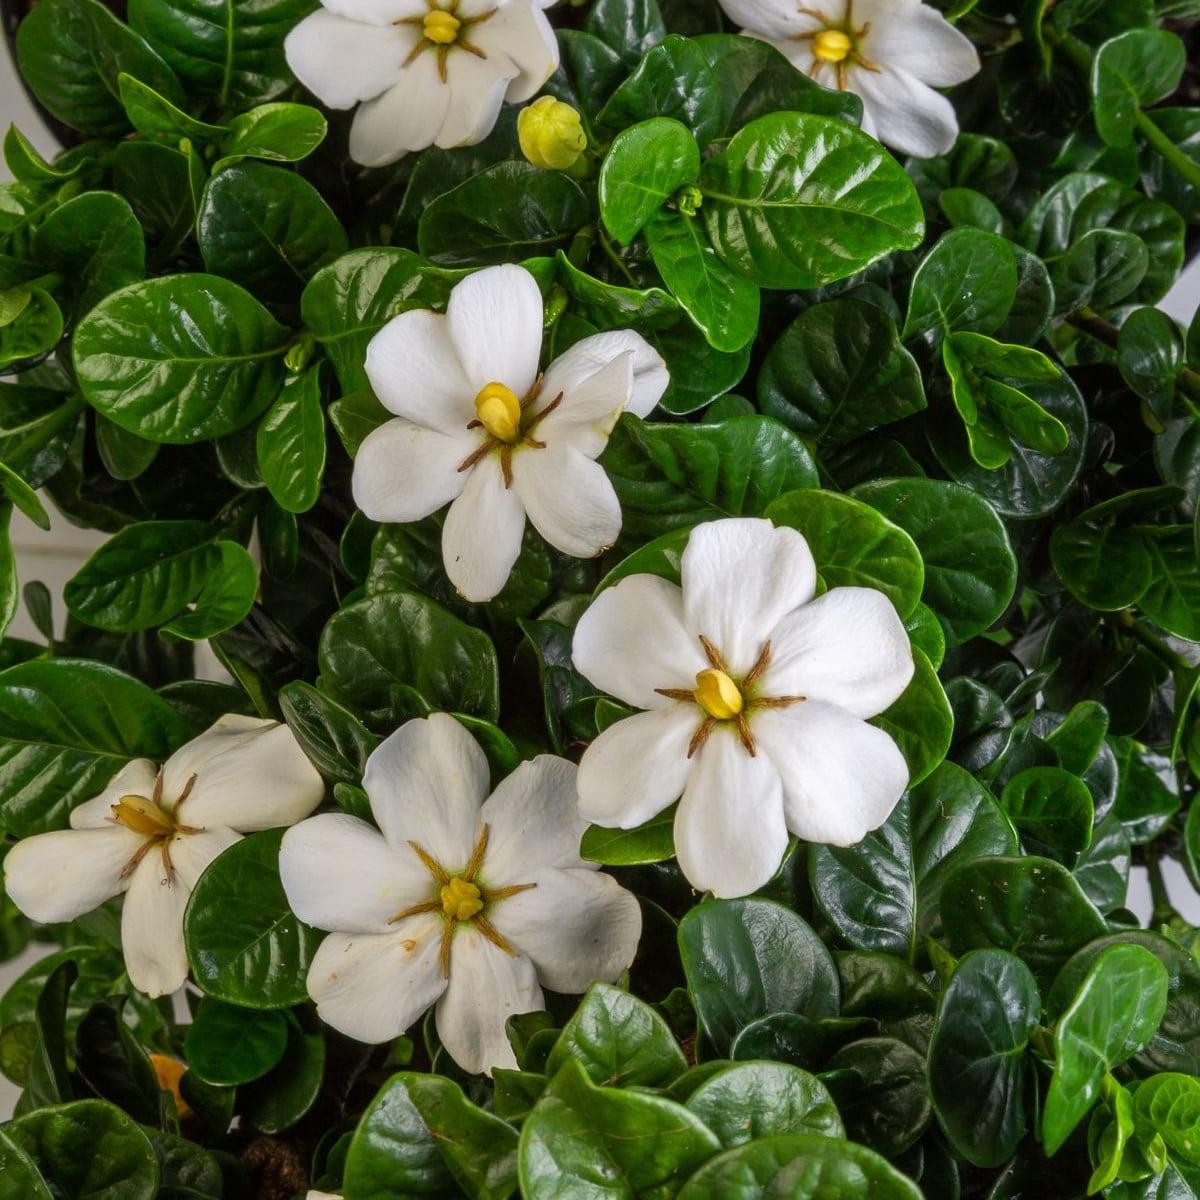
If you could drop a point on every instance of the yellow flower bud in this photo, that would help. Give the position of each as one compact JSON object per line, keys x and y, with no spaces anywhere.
{"x":718,"y":695}
{"x":551,"y":134}
{"x":461,"y":900}
{"x":499,"y":411}
{"x":831,"y":45}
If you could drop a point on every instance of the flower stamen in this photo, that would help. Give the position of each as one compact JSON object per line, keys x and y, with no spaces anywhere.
{"x":499,"y":411}
{"x":701,"y":736}
{"x":712,"y":654}
{"x":718,"y":695}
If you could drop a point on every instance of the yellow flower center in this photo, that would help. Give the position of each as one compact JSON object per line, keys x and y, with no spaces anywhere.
{"x":441,"y":27}
{"x":832,"y":45}
{"x":142,"y":816}
{"x":461,"y":899}
{"x":499,"y":412}
{"x":718,"y":695}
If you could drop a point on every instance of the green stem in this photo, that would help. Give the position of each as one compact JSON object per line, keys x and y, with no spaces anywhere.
{"x":1165,"y":653}
{"x":1164,"y":911}
{"x":1183,"y":165}
{"x":617,"y":260}
{"x":581,"y":246}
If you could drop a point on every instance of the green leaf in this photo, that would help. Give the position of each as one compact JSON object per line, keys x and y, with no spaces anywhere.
{"x":967,"y":281}
{"x":1149,"y":355}
{"x":35,"y":328}
{"x":630,"y":27}
{"x":750,"y":1101}
{"x":244,"y":943}
{"x":402,"y":638}
{"x":1051,"y":805}
{"x":854,"y":545}
{"x":71,"y":53}
{"x":87,"y":1149}
{"x":1173,"y":598}
{"x":180,"y":359}
{"x":839,"y":371}
{"x":291,"y":443}
{"x":231,"y":50}
{"x":95,"y":241}
{"x":224,"y":601}
{"x":506,"y":212}
{"x":1170,"y":1105}
{"x":1030,"y":906}
{"x":227,"y":1045}
{"x":28,"y":166}
{"x":285,"y":1094}
{"x":155,"y":117}
{"x":608,"y":306}
{"x":649,"y":843}
{"x":421,"y":1135}
{"x":619,"y":1040}
{"x":881,"y":1092}
{"x":334,"y":739}
{"x":883,"y":893}
{"x":643,"y":169}
{"x":637,"y":1142}
{"x":970,"y":568}
{"x":799,"y":201}
{"x":1130,"y":72}
{"x":673,"y":80}
{"x":22,"y":496}
{"x":266,"y":229}
{"x":679,"y":475}
{"x":279,"y":132}
{"x":1147,"y":794}
{"x":111,"y":1059}
{"x":979,"y":1071}
{"x":747,"y":958}
{"x":1115,"y":1013}
{"x":722,"y":304}
{"x":19,"y":1177}
{"x":66,"y":727}
{"x":144,"y":575}
{"x":801,"y":1166}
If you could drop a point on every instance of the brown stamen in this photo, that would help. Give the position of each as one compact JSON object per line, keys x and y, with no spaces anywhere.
{"x":539,"y":417}
{"x":475,"y":455}
{"x":743,"y":728}
{"x":416,"y":910}
{"x":132,"y":865}
{"x":187,"y":791}
{"x":712,"y":654}
{"x":676,"y":693}
{"x":444,"y":948}
{"x":413,"y":53}
{"x":494,"y":936}
{"x":776,"y":701}
{"x":506,"y":465}
{"x":701,"y":736}
{"x":476,"y":859}
{"x":470,"y":48}
{"x":504,"y":892}
{"x":431,"y":864}
{"x":764,"y":660}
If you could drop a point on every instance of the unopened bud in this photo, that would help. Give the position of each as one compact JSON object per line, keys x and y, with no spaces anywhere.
{"x":551,"y":134}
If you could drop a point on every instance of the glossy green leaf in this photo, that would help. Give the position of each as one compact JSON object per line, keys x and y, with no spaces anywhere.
{"x":920,"y":722}
{"x":278,"y":132}
{"x":968,"y":281}
{"x":1132,"y":72}
{"x":291,"y":443}
{"x":333,"y":738}
{"x":643,"y":169}
{"x":224,"y":601}
{"x":1051,"y":805}
{"x":284,"y":1095}
{"x":227,"y":1045}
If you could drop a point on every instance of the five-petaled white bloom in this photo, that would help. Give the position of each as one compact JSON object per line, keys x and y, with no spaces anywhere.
{"x":425,"y":72}
{"x":890,"y":53}
{"x":464,"y":899}
{"x":152,"y":831}
{"x":757,"y":696}
{"x":475,"y":424}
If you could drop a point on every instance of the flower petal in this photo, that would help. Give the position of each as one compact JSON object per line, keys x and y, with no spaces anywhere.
{"x":637,"y":767}
{"x":135,"y":778}
{"x":495,"y":321}
{"x":340,"y":874}
{"x":414,"y":370}
{"x":587,"y":412}
{"x":426,"y":783}
{"x":908,"y":116}
{"x":772,"y":19}
{"x":632,"y":639}
{"x":191,"y":853}
{"x":847,"y":647}
{"x":520,"y":31}
{"x":376,"y":12}
{"x":533,"y":821}
{"x":574,"y":367}
{"x":319,"y":48}
{"x":249,"y":775}
{"x":569,"y":498}
{"x":730,"y":835}
{"x":406,"y":117}
{"x":373,"y":986}
{"x":917,"y":38}
{"x":740,"y":576}
{"x":404,"y":472}
{"x":841,"y":776}
{"x":59,"y":876}
{"x":575,"y":926}
{"x":477,"y":88}
{"x":481,"y":537}
{"x":152,"y":928}
{"x":487,"y":986}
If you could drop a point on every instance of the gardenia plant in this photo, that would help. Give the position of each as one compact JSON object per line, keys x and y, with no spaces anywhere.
{"x":645,"y":633}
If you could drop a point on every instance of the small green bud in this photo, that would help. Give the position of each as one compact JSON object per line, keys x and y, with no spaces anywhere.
{"x":551,"y":134}
{"x":688,"y":199}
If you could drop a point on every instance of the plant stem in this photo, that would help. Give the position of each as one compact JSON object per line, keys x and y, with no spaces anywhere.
{"x":1183,"y":165}
{"x":1167,"y":654}
{"x":616,"y":259}
{"x":1164,"y":911}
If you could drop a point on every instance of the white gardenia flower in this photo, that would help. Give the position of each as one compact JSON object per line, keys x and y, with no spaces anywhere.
{"x":892,"y":54}
{"x":153,"y":830}
{"x":756,"y":696}
{"x":423,"y":72}
{"x":477,"y":426}
{"x":465,"y":900}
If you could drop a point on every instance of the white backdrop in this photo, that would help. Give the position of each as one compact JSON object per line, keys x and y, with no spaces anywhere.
{"x":53,"y":557}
